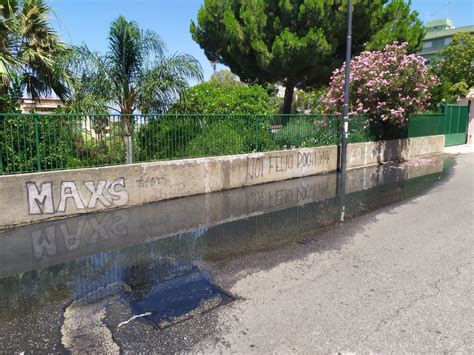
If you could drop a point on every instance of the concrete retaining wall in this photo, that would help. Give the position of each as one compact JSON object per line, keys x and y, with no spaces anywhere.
{"x":365,"y":154}
{"x":51,"y":195}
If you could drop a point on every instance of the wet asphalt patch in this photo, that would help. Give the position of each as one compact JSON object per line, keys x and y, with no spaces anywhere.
{"x":169,"y":302}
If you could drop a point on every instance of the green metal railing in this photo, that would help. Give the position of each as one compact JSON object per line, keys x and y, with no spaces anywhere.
{"x":36,"y":142}
{"x":456,"y":123}
{"x":426,"y":124}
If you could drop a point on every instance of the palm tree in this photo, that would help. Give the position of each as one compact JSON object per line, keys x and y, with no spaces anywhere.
{"x":134,"y":75}
{"x":31,"y":50}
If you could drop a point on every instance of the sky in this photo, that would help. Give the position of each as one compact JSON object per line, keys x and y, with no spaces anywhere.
{"x":88,"y":21}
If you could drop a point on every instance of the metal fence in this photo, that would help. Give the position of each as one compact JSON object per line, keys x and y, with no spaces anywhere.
{"x":456,"y":125}
{"x":30,"y":143}
{"x":34,"y":143}
{"x":427,"y":124}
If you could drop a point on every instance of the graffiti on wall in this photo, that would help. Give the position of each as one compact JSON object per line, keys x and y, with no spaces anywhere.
{"x":364,"y":153}
{"x":259,"y":167}
{"x":43,"y":200}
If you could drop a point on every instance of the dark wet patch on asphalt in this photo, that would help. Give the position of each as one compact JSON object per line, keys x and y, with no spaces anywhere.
{"x":176,"y":300}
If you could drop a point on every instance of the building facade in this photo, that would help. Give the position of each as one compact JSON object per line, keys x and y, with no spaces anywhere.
{"x":439,"y":35}
{"x":45,"y":105}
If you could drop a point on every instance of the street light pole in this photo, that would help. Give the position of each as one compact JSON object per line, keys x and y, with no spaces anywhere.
{"x":345,"y":112}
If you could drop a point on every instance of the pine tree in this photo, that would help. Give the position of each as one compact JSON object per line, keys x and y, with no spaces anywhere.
{"x":298,"y":42}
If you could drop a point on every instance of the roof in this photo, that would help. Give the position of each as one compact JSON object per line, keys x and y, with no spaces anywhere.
{"x":448,"y":33}
{"x":43,"y":100}
{"x":442,"y":22}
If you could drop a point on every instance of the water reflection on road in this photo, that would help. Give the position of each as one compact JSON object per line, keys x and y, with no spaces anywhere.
{"x":139,"y":252}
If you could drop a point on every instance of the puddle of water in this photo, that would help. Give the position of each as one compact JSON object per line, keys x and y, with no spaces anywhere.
{"x":154,"y":257}
{"x":172,"y":301}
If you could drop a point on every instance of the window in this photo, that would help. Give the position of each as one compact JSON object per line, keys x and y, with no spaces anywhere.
{"x":447,"y":41}
{"x":428,"y":44}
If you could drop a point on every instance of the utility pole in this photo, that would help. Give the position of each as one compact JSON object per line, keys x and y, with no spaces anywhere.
{"x":345,"y":111}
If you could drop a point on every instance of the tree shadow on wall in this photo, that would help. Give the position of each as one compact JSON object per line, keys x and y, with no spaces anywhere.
{"x":391,"y":143}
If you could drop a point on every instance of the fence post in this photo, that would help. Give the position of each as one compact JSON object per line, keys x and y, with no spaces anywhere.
{"x":257,"y":137}
{"x":300,"y":122}
{"x":132,"y":125}
{"x":38,"y":156}
{"x":202,"y":137}
{"x":2,"y":120}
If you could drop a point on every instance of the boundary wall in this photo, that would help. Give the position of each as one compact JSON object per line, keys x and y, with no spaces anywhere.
{"x":30,"y":198}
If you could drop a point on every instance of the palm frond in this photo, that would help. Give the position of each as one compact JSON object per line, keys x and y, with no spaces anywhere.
{"x":168,"y":82}
{"x":30,"y":48}
{"x":152,"y":43}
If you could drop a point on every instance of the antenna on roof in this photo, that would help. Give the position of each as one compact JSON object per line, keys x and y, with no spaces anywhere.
{"x":447,"y":5}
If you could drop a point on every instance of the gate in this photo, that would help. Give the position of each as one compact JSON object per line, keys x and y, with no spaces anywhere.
{"x":456,"y":121}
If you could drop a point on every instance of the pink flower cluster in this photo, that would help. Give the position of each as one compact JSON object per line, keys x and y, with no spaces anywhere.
{"x":386,"y":85}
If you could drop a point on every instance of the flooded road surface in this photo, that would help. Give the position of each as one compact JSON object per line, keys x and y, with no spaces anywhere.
{"x":108,"y":281}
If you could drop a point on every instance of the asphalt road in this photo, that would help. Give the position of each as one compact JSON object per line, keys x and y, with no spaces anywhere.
{"x":403,"y":282}
{"x":396,"y":278}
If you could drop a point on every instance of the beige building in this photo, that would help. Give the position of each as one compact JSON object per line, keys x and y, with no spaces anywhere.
{"x":46,"y":105}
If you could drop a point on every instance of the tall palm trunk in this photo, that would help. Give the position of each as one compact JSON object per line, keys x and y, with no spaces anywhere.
{"x":127,"y":128}
{"x":128,"y":149}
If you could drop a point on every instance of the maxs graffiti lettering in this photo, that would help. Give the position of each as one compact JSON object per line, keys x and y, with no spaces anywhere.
{"x":41,"y":200}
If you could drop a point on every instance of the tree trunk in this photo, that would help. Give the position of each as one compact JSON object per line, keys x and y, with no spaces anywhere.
{"x":289,"y":90}
{"x":128,"y":150}
{"x":3,"y":98}
{"x":127,"y":127}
